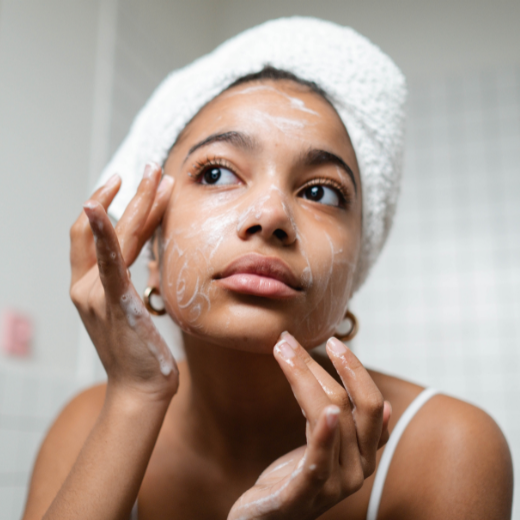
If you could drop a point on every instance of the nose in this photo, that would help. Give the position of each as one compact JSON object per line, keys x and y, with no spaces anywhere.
{"x":270,"y":218}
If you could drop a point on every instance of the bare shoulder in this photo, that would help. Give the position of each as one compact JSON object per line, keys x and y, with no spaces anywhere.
{"x":451,"y":462}
{"x":61,"y":447}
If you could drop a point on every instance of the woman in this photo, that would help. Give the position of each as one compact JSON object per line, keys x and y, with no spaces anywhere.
{"x":268,"y":211}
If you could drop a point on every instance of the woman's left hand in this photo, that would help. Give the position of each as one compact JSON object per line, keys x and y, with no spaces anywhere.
{"x":346,"y":425}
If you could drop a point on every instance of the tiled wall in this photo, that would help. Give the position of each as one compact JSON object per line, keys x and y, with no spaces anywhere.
{"x":442,"y":306}
{"x":154,"y":37}
{"x":29,"y":401}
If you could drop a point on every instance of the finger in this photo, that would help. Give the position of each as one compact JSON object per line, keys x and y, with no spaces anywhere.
{"x":367,"y":400}
{"x":82,"y":251}
{"x":331,"y":387}
{"x":128,"y":229}
{"x":156,"y":212}
{"x":112,"y":269}
{"x":306,"y":388}
{"x":321,"y":456}
{"x":337,"y":394}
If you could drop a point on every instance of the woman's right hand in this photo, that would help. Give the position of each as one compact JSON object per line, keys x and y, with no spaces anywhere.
{"x":135,"y":356}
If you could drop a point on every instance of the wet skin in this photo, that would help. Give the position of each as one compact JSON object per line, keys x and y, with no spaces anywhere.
{"x":268,"y":163}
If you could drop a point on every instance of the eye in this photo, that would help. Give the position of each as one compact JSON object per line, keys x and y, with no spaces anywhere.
{"x":217,"y":175}
{"x":323,"y":195}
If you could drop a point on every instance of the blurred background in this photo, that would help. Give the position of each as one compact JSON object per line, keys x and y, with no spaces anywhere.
{"x":442,"y":306}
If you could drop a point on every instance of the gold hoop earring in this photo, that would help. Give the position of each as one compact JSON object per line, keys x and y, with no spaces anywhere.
{"x":349,"y":336}
{"x":148,"y":292}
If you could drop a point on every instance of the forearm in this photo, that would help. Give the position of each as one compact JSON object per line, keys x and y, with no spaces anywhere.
{"x":105,"y":479}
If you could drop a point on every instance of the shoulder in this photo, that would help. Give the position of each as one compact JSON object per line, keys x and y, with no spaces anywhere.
{"x":451,"y":462}
{"x":77,"y":418}
{"x":61,"y":447}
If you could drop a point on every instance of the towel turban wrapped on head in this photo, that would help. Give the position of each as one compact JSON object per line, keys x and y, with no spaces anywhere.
{"x":365,"y":87}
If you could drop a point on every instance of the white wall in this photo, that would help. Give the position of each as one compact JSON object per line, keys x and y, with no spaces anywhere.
{"x":47,"y":63}
{"x":425,"y":38}
{"x":154,"y":38}
{"x":46,"y":80}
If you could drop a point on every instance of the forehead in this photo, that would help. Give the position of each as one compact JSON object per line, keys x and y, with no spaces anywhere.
{"x":286,"y":93}
{"x":270,"y":107}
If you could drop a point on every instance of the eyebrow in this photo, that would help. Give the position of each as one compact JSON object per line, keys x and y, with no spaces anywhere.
{"x":237,"y":139}
{"x":315,"y":157}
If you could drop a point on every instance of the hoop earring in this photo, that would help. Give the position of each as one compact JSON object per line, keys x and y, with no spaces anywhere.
{"x":148,"y":292}
{"x":349,"y":336}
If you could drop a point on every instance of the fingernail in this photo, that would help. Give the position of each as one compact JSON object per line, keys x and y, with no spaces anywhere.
{"x":289,"y":339}
{"x":90,"y":204}
{"x":95,"y":224}
{"x":336,"y":346}
{"x":332,"y":416}
{"x":149,"y":169}
{"x":166,"y":182}
{"x":285,"y":350}
{"x":112,"y":180}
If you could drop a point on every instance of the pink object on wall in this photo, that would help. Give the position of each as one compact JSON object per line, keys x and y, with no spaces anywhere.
{"x":17,"y":332}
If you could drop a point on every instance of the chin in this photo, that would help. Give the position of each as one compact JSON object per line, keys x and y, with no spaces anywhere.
{"x":252,"y":328}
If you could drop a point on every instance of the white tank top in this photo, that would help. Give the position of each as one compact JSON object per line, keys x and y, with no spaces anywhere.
{"x":391,"y":445}
{"x":133,"y":514}
{"x":386,"y":458}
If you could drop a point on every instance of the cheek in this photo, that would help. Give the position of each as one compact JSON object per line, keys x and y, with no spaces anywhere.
{"x":195,"y":237}
{"x":184,"y":287}
{"x":331,"y":262}
{"x":192,"y":236}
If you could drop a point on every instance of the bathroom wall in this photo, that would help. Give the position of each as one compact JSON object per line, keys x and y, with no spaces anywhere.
{"x":442,"y":306}
{"x":426,"y":39}
{"x":29,"y":399}
{"x":47,"y":64}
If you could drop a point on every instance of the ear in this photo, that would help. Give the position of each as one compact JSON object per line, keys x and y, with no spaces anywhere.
{"x":154,"y":280}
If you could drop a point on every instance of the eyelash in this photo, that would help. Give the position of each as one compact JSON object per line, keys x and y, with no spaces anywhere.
{"x":203,"y":165}
{"x":341,"y":191}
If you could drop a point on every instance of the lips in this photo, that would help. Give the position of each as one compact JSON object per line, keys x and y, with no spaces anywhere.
{"x":260,"y":275}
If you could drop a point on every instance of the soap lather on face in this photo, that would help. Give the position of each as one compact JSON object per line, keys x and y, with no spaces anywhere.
{"x":260,"y":206}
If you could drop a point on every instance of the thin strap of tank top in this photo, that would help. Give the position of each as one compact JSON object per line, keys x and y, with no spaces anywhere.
{"x":391,"y":445}
{"x":133,"y":514}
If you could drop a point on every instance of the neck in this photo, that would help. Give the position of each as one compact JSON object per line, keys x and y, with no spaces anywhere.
{"x":239,"y":405}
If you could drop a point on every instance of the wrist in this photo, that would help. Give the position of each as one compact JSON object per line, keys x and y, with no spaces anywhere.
{"x":137,"y":399}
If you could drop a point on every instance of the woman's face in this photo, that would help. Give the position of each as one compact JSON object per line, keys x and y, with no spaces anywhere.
{"x":263,"y":230}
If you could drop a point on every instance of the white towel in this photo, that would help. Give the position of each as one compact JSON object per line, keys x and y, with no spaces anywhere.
{"x":366,"y":87}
